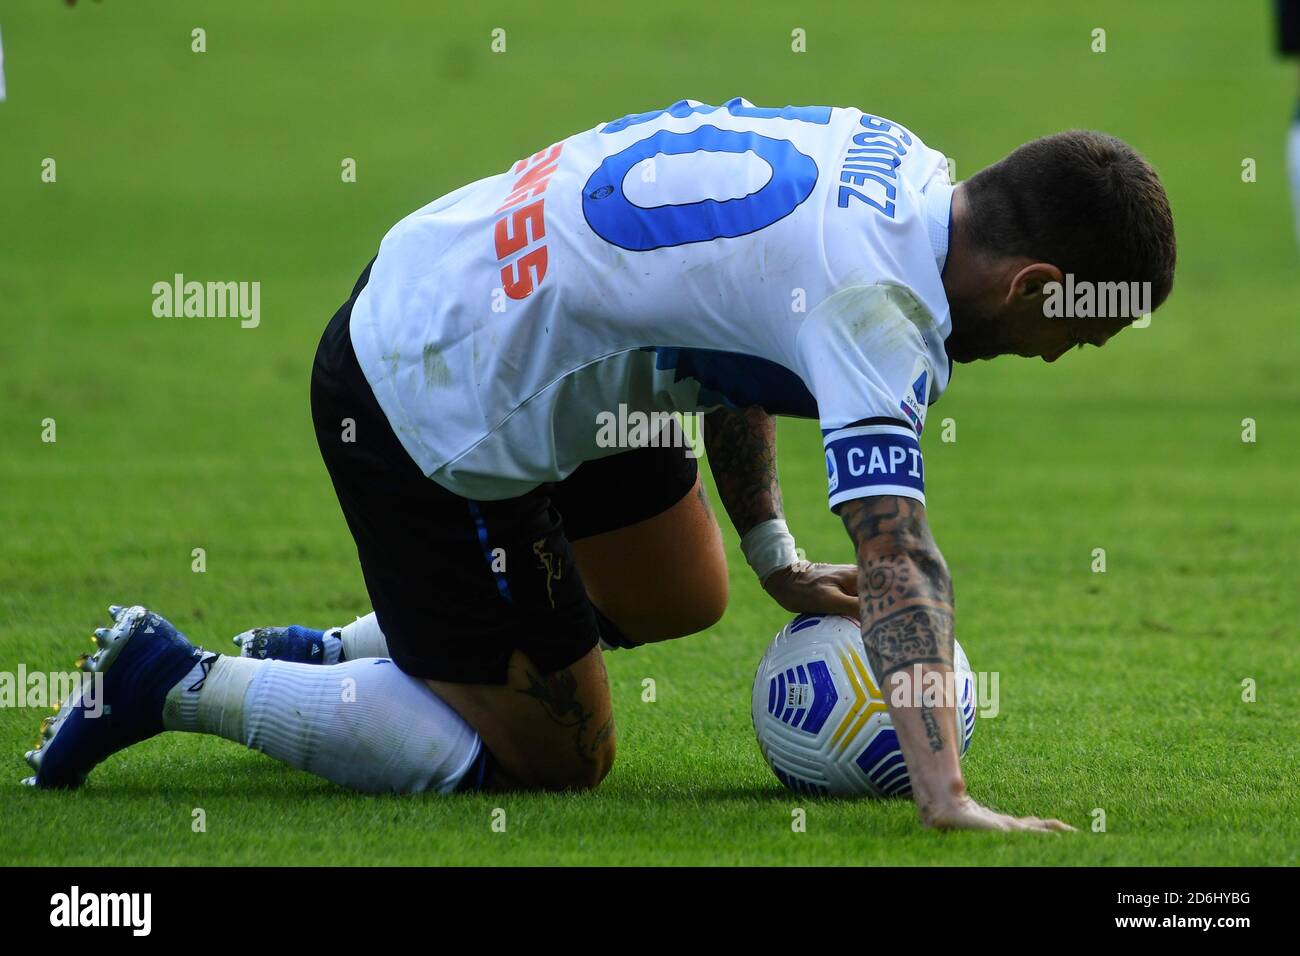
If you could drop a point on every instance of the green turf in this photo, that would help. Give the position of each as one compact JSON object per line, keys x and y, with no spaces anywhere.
{"x":1119,"y":691}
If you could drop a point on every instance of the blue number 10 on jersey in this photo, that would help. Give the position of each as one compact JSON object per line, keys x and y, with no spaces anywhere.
{"x":619,"y":220}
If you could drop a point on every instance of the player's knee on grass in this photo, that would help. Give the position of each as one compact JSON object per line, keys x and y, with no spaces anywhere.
{"x":556,"y":772}
{"x":545,"y":731}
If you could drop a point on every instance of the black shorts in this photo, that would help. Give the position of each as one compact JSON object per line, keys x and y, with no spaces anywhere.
{"x":459,"y":585}
{"x":1288,"y":26}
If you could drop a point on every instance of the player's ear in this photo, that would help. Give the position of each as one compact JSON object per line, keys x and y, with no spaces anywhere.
{"x":1031,"y":281}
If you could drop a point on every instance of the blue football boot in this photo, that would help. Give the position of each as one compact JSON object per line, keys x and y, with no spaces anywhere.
{"x":120,"y":702}
{"x":296,"y":643}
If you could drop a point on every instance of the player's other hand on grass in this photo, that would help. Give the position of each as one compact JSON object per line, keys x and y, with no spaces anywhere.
{"x":963,"y":813}
{"x":808,"y":588}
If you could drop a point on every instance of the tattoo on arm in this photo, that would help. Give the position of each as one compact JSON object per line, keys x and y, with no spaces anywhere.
{"x":914,"y":635}
{"x":932,"y":733}
{"x":906,"y":603}
{"x":741,"y":445}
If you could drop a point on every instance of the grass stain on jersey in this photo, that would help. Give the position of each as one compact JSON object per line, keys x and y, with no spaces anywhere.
{"x":436,"y":371}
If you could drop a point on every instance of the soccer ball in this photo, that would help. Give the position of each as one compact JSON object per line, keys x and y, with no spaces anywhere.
{"x":821,"y":718}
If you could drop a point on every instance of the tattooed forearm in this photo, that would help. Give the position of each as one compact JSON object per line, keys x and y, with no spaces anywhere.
{"x":933,"y":735}
{"x":905,"y":591}
{"x":886,"y":583}
{"x":741,"y":445}
{"x":914,"y":635}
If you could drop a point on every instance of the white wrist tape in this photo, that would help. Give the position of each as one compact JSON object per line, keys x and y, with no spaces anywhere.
{"x":768,"y":547}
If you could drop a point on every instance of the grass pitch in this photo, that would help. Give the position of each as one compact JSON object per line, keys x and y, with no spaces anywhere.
{"x":1120,"y":691}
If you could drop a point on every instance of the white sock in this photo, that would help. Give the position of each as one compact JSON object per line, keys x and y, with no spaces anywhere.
{"x":361,"y":724}
{"x":1293,"y":165}
{"x":363,"y":638}
{"x":210,"y":698}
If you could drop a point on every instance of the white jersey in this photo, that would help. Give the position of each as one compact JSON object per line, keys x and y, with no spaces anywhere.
{"x":677,"y":260}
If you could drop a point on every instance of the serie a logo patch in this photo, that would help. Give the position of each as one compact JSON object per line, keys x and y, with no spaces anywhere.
{"x":915,"y":399}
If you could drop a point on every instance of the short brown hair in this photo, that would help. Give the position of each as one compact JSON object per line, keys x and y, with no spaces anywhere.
{"x":1083,"y":201}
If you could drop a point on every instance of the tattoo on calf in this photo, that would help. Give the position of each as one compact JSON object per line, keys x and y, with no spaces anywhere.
{"x":558,"y":695}
{"x":603,"y":732}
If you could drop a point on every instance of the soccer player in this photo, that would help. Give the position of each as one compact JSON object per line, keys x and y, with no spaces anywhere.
{"x":1288,"y":44}
{"x":476,"y":401}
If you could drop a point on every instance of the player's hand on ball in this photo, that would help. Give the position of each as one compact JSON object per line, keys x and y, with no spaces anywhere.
{"x":965,"y":814}
{"x":808,"y":588}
